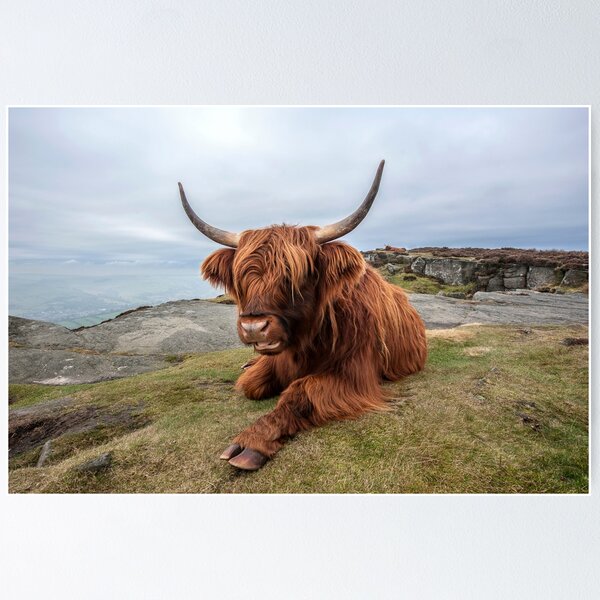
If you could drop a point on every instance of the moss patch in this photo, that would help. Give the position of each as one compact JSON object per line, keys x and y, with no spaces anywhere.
{"x":421,"y":284}
{"x":21,"y":395}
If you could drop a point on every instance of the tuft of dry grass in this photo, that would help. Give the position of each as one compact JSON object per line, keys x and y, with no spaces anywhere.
{"x":512,"y":418}
{"x":456,"y":334}
{"x":222,"y":299}
{"x":477,"y":350}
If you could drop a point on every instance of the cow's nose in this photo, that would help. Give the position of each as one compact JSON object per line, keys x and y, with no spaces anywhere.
{"x":254,"y":330}
{"x":254,"y":326}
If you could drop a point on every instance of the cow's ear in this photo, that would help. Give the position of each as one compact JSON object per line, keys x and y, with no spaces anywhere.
{"x":341,"y":264}
{"x":218,"y":268}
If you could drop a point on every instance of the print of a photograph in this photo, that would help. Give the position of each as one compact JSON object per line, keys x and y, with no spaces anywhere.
{"x":228,"y":299}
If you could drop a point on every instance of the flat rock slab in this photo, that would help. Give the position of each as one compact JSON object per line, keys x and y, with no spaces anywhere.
{"x":134,"y":342}
{"x":169,"y":328}
{"x":140,"y":340}
{"x":520,"y":307}
{"x":61,"y":367}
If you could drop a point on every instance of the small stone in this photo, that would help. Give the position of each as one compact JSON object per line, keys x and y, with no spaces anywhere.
{"x":529,"y":421}
{"x":96,"y":464}
{"x":44,"y":454}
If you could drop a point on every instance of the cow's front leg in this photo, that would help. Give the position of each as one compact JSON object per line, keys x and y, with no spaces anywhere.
{"x":307,"y":402}
{"x":264,"y":377}
{"x":259,"y":442}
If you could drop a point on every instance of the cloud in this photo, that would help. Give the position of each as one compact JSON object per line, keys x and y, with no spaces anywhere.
{"x":100,"y":185}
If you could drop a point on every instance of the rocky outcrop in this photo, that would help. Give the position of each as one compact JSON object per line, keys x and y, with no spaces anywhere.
{"x":574,"y":278}
{"x":502,"y":308}
{"x":541,"y":277}
{"x":450,"y":270}
{"x":485,"y":275}
{"x":153,"y":337}
{"x":135,"y":342}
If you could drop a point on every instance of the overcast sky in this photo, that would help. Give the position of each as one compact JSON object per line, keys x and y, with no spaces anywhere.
{"x":96,"y":189}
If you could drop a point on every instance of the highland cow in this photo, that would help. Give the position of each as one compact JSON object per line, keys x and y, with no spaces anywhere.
{"x":327,"y":327}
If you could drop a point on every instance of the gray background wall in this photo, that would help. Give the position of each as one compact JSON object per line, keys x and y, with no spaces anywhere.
{"x":282,"y":52}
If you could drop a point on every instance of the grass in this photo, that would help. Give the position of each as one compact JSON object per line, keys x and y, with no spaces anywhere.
{"x":27,"y":394}
{"x":564,"y":289}
{"x":421,"y":284}
{"x":222,"y":299}
{"x":497,"y":409}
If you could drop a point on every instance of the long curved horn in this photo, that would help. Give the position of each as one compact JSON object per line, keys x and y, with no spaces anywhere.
{"x":226,"y":238}
{"x":337,"y":230}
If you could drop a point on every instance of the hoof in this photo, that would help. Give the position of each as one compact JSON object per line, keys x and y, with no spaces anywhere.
{"x":249,"y":460}
{"x":250,"y":362}
{"x":231,"y":451}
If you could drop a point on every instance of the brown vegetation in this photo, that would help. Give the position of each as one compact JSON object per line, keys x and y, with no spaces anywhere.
{"x":563,"y":259}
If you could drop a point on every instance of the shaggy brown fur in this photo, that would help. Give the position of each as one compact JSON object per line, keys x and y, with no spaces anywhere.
{"x":342,"y":328}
